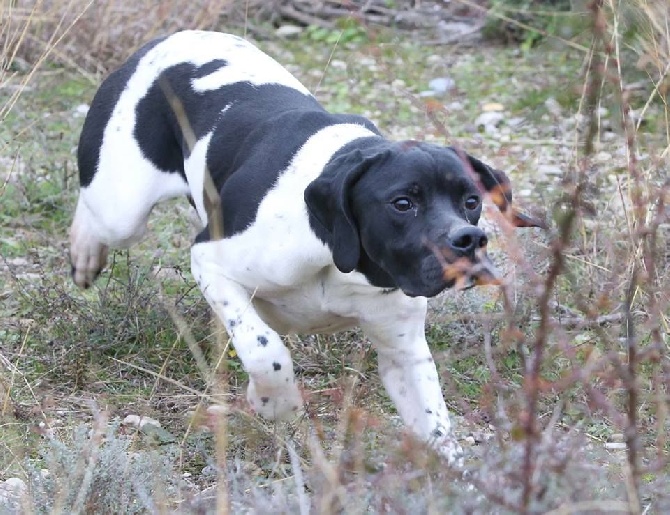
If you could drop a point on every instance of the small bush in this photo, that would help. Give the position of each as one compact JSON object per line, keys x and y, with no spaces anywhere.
{"x":99,"y":470}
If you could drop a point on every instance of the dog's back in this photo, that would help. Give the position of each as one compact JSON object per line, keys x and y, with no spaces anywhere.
{"x":246,"y":111}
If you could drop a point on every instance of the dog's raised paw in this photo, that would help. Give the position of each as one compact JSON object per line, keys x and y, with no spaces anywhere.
{"x":285,"y":404}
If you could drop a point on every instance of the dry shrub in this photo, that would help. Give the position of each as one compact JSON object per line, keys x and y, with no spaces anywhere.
{"x":598,"y":350}
{"x":97,"y":36}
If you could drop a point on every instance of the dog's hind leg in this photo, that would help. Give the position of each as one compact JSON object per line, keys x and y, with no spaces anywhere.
{"x":112,"y":212}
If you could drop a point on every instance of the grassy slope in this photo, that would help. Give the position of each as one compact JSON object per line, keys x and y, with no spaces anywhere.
{"x":70,"y":353}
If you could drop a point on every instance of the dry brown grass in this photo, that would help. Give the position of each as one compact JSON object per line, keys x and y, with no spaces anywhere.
{"x":92,"y":36}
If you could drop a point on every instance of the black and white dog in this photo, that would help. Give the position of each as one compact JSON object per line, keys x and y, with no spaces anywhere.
{"x":328,"y":225}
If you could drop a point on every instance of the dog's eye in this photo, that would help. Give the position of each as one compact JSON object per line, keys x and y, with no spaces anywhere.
{"x":472,"y":202}
{"x":403,"y":204}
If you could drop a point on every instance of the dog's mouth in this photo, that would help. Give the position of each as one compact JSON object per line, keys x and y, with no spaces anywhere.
{"x":467,"y":272}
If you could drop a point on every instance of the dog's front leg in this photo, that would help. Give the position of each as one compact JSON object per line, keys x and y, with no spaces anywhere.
{"x":272,"y":388}
{"x":409,"y":374}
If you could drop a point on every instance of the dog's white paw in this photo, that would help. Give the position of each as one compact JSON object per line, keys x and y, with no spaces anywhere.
{"x":275,"y":404}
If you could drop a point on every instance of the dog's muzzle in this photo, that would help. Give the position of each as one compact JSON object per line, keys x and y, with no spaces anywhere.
{"x":464,"y":260}
{"x":482,"y":272}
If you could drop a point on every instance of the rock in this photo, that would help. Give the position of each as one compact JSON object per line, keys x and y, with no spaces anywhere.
{"x":29,"y":276}
{"x":288,"y":31}
{"x":489,"y":121}
{"x":453,"y":29}
{"x":549,"y":170}
{"x":15,"y":484}
{"x":553,"y":106}
{"x":441,"y":85}
{"x":636,"y":117}
{"x":80,"y":111}
{"x":493,"y":107}
{"x":167,"y":273}
{"x":602,"y":157}
{"x":217,"y":409}
{"x":11,"y":492}
{"x":209,"y":471}
{"x":140,"y":421}
{"x":481,"y":437}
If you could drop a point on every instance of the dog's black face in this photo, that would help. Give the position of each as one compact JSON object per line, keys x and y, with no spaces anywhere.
{"x":416,"y":209}
{"x":405,"y":214}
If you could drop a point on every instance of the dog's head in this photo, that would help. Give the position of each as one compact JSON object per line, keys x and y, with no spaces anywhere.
{"x":408,"y":211}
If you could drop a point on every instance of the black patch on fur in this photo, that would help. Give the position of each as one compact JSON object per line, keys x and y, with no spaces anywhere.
{"x":262,"y":340}
{"x":257,"y":139}
{"x":104,"y":101}
{"x":276,"y":366}
{"x":157,"y":129}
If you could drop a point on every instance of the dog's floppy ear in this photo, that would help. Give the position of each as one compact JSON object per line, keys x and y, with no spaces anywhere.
{"x":497,"y":185}
{"x":328,"y":201}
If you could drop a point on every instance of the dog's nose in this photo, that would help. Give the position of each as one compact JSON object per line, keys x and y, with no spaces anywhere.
{"x":466,"y":240}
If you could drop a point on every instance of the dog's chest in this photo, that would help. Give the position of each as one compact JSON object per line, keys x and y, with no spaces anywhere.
{"x":325,"y":303}
{"x":302,"y":311}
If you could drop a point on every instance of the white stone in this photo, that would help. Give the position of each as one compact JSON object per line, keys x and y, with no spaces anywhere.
{"x":80,"y":110}
{"x":288,"y":31}
{"x":489,"y":119}
{"x":553,"y":106}
{"x":140,"y":421}
{"x":441,"y":85}
{"x":549,"y":170}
